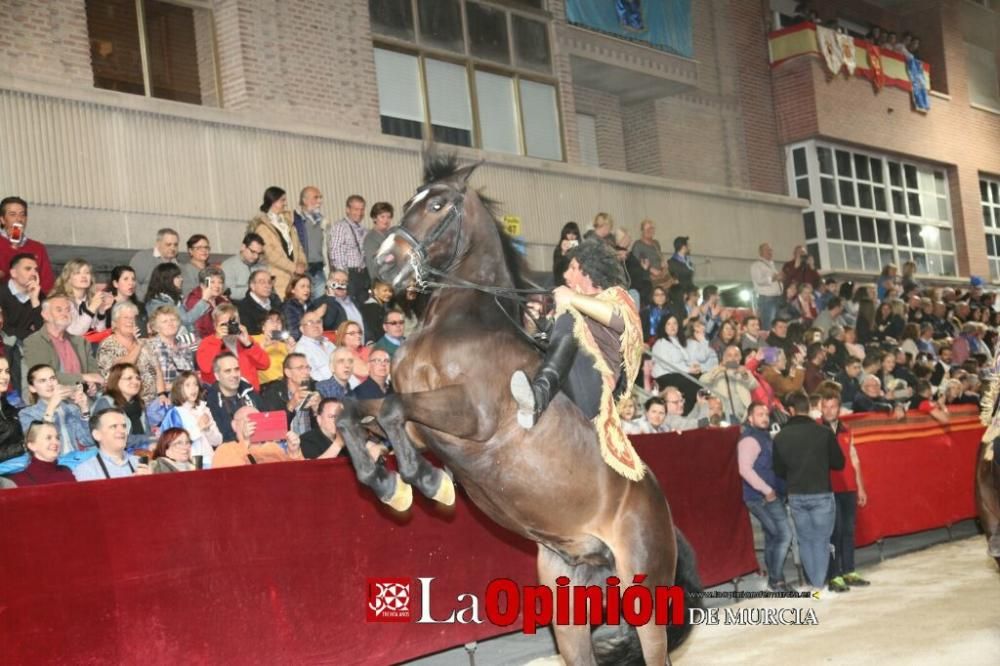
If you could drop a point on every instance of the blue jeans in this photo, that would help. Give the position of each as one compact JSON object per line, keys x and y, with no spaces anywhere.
{"x":842,"y":557}
{"x":777,"y":536}
{"x":814,"y":516}
{"x":767,"y":308}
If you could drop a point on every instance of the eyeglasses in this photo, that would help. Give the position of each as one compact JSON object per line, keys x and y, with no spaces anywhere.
{"x":379,"y":361}
{"x":311,"y":322}
{"x":337,"y":285}
{"x":298,"y":367}
{"x":395,"y":322}
{"x":201,"y":247}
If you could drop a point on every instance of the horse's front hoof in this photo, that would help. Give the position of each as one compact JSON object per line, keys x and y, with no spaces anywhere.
{"x":446,"y":491}
{"x":402,"y":497}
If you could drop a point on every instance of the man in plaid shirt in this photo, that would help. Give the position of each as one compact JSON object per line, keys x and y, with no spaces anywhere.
{"x":344,"y":243}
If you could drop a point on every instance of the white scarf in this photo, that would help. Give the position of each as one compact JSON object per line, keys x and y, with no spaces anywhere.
{"x":286,"y":233}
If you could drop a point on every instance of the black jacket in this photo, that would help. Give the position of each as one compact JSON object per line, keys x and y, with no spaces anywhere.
{"x":804,"y":454}
{"x":252,"y":315}
{"x":11,"y":435}
{"x":223,"y":409}
{"x":20,"y":319}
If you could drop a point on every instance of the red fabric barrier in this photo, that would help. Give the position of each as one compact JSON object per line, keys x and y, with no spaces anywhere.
{"x":917,"y":473}
{"x":269,"y":564}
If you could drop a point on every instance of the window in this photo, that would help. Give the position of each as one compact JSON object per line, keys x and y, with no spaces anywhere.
{"x":867,"y":210}
{"x":586,"y":132}
{"x":153,"y":48}
{"x":468,"y":73}
{"x":984,"y":83}
{"x":989,"y":195}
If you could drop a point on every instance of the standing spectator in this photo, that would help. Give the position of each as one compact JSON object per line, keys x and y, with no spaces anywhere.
{"x":340,"y":305}
{"x":144,"y":261}
{"x":229,"y":393}
{"x":381,"y":215}
{"x":314,"y":346}
{"x":42,"y":442}
{"x":804,"y":454}
{"x":296,"y":303}
{"x":764,"y":492}
{"x":123,"y":391}
{"x":175,"y":356}
{"x":240,"y":267}
{"x":680,"y":266}
{"x":766,"y":284}
{"x":638,"y":277}
{"x":376,"y":385}
{"x":282,"y":248}
{"x":211,"y":285}
{"x":124,"y":346}
{"x":109,"y":429}
{"x":344,"y":249}
{"x":848,"y":494}
{"x":122,"y":285}
{"x":375,"y":309}
{"x":21,"y":298}
{"x":338,"y":385}
{"x":13,"y":230}
{"x":655,"y":413}
{"x":311,"y":228}
{"x":295,"y":394}
{"x":229,"y":335}
{"x":324,"y":441}
{"x":164,"y":290}
{"x":602,"y":229}
{"x":885,"y":286}
{"x":199,"y":250}
{"x":277,"y":342}
{"x":89,"y":306}
{"x":649,"y":253}
{"x":259,"y":301}
{"x":653,"y":314}
{"x":909,"y":280}
{"x":53,"y":345}
{"x":62,"y":406}
{"x":801,"y":268}
{"x":172,"y":452}
{"x":569,"y":238}
{"x":349,"y":336}
{"x":192,"y":414}
{"x":392,"y":337}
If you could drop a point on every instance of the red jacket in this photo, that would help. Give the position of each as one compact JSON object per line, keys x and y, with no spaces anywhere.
{"x":252,"y":359}
{"x":7,"y":251}
{"x":203,"y":326}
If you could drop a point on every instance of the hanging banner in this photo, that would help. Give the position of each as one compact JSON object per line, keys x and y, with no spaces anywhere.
{"x":875,"y":66}
{"x":829,"y":46}
{"x":665,"y":24}
{"x":915,"y":68}
{"x":846,"y":44}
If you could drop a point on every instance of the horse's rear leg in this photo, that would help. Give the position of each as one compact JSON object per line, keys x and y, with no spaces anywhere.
{"x":387,"y":485}
{"x":413,"y":467}
{"x":573,"y":641}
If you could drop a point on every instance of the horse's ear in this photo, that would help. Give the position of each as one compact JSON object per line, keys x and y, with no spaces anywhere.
{"x":466,"y":172}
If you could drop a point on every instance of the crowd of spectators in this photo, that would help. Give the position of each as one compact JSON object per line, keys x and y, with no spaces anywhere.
{"x":179,"y":362}
{"x":906,"y":45}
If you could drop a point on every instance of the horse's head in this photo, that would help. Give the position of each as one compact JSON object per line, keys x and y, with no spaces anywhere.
{"x":434,"y":231}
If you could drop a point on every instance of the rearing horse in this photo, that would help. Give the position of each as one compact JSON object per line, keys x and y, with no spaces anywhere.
{"x":550,"y":483}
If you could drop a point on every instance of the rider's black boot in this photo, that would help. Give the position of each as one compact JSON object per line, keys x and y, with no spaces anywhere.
{"x":533,"y":396}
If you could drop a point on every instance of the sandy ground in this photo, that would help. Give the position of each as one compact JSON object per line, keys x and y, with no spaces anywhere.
{"x":936,"y":606}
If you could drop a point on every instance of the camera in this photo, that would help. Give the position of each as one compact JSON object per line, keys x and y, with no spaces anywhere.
{"x":280,"y":336}
{"x":704,"y":394}
{"x":233,"y":327}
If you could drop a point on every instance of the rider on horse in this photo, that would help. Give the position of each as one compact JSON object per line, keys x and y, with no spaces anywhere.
{"x":595,"y":352}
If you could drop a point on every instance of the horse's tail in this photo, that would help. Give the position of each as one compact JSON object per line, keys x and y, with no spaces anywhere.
{"x":620,"y":645}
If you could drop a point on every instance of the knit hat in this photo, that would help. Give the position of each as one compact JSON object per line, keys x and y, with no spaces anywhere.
{"x":770,"y":354}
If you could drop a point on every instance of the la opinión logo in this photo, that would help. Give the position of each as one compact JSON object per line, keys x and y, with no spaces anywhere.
{"x":389,"y":600}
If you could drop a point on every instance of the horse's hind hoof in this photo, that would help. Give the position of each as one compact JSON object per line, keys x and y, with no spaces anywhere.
{"x":446,"y":491}
{"x":402,"y":497}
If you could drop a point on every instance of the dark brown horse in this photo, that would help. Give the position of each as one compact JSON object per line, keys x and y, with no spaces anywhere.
{"x":988,"y":494}
{"x":549,"y":484}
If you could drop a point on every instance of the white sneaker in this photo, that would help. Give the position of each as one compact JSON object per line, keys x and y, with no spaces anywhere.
{"x":520,"y":389}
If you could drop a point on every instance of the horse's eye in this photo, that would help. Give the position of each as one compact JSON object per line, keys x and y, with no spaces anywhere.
{"x":436,"y":206}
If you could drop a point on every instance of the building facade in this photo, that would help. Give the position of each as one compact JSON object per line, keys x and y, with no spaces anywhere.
{"x":118,"y":117}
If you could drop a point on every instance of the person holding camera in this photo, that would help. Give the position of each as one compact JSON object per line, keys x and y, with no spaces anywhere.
{"x":733,"y":382}
{"x":229,"y":335}
{"x":276,"y":340}
{"x":211,"y":285}
{"x":295,"y":394}
{"x":166,"y":285}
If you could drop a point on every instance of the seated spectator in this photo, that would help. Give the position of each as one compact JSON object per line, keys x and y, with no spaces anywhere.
{"x":144,"y":261}
{"x":770,"y":364}
{"x":830,"y":316}
{"x":393,"y":336}
{"x":925,"y":342}
{"x":699,"y":350}
{"x":896,"y":380}
{"x":654,"y":313}
{"x":778,"y":337}
{"x":675,"y":420}
{"x":13,"y":230}
{"x":239,"y":267}
{"x":375,"y":309}
{"x":53,"y":345}
{"x":338,"y":384}
{"x":670,"y":354}
{"x":228,"y":394}
{"x":925,"y":402}
{"x":210,"y":288}
{"x":848,"y":380}
{"x":123,"y":392}
{"x":789,"y":308}
{"x":295,"y":394}
{"x":851,"y":344}
{"x":109,"y":428}
{"x":655,"y":413}
{"x":376,"y":386}
{"x":258,"y":302}
{"x":199,"y":250}
{"x":174,"y":355}
{"x":63,"y":406}
{"x":231,"y":336}
{"x":323,"y":441}
{"x":42,"y":442}
{"x":733,"y":383}
{"x":242,"y":451}
{"x":21,"y":298}
{"x":89,"y":307}
{"x":727,"y":334}
{"x":871,"y":399}
{"x":277,"y":342}
{"x":11,"y":433}
{"x":350,"y":335}
{"x":165,"y":290}
{"x":10,"y":350}
{"x":124,"y":346}
{"x":296,"y":303}
{"x":627,"y":415}
{"x":751,"y":340}
{"x":888,"y":327}
{"x":340,"y":306}
{"x":172,"y":452}
{"x":815,"y":360}
{"x":192,"y":414}
{"x":315,"y":346}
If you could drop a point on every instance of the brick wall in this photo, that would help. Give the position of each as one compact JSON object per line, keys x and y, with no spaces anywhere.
{"x":607,"y":113}
{"x":46,"y":40}
{"x":642,"y":151}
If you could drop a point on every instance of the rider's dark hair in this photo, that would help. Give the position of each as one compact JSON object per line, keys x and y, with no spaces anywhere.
{"x":599,"y":263}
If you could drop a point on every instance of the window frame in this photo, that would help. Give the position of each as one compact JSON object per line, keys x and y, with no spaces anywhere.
{"x":898,"y":250}
{"x":991,"y":204}
{"x":472,"y":64}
